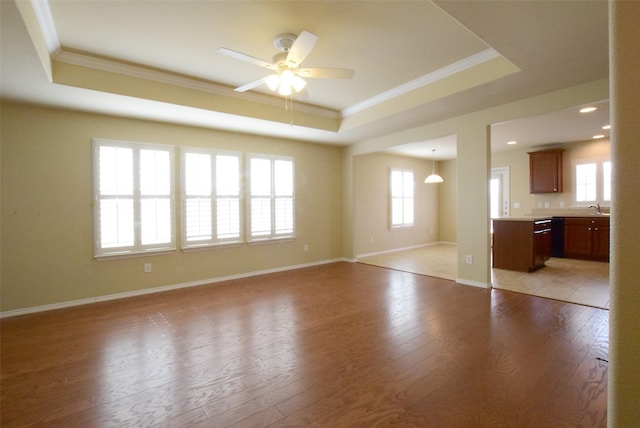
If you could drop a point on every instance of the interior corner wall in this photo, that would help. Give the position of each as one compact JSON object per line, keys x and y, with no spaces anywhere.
{"x":448,"y":202}
{"x":47,"y":216}
{"x":473,"y":171}
{"x":371,"y":195}
{"x":348,"y":220}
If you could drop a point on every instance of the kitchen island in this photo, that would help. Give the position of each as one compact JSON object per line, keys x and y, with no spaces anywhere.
{"x":521,"y":243}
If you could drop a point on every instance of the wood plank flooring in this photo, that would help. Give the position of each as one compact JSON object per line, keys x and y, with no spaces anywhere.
{"x":338,"y":345}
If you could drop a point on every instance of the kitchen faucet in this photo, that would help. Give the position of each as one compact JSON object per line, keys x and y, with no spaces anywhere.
{"x":597,"y":207}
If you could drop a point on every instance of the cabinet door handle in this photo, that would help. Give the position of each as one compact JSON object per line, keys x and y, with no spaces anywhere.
{"x":589,"y":229}
{"x":595,"y":228}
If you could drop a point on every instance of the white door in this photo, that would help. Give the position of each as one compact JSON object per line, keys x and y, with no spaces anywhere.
{"x":499,"y":192}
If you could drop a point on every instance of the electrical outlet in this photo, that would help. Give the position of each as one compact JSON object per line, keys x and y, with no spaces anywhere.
{"x":469,"y":259}
{"x":546,"y":204}
{"x":516,"y":205}
{"x":306,"y":247}
{"x":147,"y":267}
{"x":371,"y":239}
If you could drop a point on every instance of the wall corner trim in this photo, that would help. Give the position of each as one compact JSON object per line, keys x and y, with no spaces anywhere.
{"x":462,"y":281}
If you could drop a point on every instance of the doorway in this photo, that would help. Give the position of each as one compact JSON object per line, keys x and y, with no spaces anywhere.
{"x":499,"y":192}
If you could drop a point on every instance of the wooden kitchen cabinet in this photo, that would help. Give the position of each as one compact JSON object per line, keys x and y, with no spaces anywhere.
{"x":545,"y":171}
{"x":522,"y":245}
{"x":587,"y":238}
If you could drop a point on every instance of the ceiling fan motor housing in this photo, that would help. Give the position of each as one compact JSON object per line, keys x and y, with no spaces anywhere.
{"x":280,"y":59}
{"x":283,"y":42}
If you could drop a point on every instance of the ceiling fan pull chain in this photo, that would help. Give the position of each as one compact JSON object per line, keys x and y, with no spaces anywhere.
{"x":291,"y":109}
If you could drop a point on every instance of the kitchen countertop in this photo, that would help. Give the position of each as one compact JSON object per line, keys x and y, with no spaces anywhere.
{"x":568,"y":212}
{"x":524,"y":218}
{"x":550,"y":216}
{"x":605,"y":215}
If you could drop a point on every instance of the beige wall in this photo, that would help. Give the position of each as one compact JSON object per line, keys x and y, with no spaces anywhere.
{"x":624,"y":332}
{"x":47,"y":230}
{"x":472,"y":176}
{"x":518,"y":162}
{"x":371,"y":196}
{"x":448,"y":202}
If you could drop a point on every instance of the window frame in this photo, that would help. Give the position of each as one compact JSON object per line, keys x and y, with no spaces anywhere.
{"x":599,"y":181}
{"x":137,"y":248}
{"x":214,"y":240}
{"x":403,"y":198}
{"x":273,"y":234}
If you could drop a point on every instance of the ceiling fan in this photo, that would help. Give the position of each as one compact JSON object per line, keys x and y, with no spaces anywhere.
{"x":288,"y":76}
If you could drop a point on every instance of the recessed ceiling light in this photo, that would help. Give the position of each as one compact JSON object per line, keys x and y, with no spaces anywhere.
{"x":606,"y":127}
{"x":512,"y":142}
{"x":595,"y":137}
{"x":588,"y":109}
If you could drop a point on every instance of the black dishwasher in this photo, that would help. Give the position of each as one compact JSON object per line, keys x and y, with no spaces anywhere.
{"x":557,"y":237}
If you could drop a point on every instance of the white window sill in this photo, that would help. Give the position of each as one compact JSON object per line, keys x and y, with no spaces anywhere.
{"x":204,"y":247}
{"x":131,"y":255}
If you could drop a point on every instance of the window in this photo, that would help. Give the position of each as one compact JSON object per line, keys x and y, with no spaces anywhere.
{"x":271,"y":198}
{"x":592,"y":181}
{"x":401,"y":184}
{"x":134,"y":198}
{"x":211,"y":198}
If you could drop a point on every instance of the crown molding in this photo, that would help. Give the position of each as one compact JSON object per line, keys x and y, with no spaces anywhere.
{"x":434,"y":76}
{"x":47,"y":24}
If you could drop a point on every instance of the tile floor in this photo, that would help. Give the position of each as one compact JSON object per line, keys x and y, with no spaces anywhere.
{"x":576,"y":281}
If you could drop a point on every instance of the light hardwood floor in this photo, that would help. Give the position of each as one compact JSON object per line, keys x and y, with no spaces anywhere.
{"x":576,"y":281}
{"x":337,"y":345}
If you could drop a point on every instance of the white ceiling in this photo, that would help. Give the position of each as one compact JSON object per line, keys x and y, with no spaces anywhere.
{"x":406,"y":55}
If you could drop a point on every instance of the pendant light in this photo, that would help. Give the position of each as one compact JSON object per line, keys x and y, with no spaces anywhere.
{"x":434,"y":178}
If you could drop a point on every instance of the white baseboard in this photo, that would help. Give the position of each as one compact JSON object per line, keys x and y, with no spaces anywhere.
{"x":394,"y":250}
{"x":134,"y":293}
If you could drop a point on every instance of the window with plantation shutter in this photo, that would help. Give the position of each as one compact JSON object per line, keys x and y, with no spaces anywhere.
{"x":134,"y":198}
{"x":211,"y":198}
{"x":271,"y":197}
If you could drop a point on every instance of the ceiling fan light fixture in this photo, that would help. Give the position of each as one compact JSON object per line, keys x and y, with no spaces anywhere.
{"x":285,"y":83}
{"x":284,"y":90}
{"x":273,"y":81}
{"x":298,"y":83}
{"x":434,"y":178}
{"x":286,"y":77}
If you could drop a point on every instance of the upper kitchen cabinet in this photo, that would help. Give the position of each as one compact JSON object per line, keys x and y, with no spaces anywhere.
{"x":545,"y":171}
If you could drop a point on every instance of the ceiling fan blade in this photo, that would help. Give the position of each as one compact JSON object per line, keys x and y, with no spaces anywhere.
{"x":301,"y":48}
{"x":246,"y":58}
{"x":251,"y":85}
{"x":326,"y":73}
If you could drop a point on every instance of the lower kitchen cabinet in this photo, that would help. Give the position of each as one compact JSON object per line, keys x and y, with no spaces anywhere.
{"x":522,"y":245}
{"x":586,"y":238}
